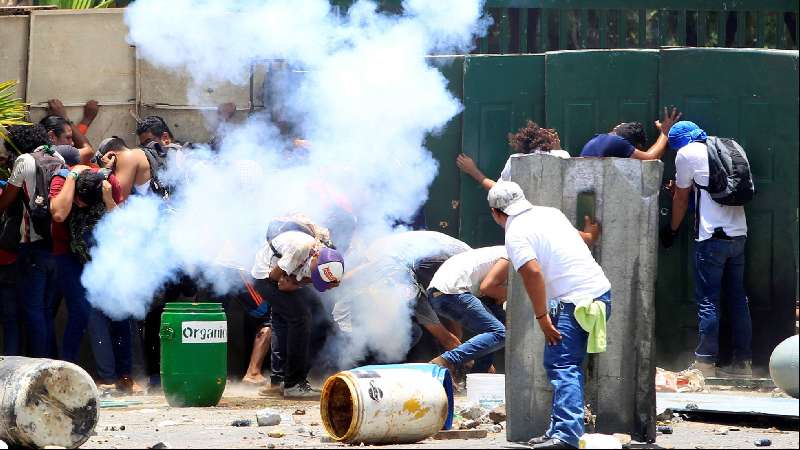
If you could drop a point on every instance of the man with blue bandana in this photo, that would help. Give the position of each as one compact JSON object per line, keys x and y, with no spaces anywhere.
{"x":720,"y":233}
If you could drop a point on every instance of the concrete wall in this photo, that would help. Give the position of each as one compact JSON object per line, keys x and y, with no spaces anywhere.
{"x":620,"y":382}
{"x":78,"y":56}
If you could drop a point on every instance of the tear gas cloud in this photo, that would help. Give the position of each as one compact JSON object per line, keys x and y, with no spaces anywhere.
{"x":366,"y":101}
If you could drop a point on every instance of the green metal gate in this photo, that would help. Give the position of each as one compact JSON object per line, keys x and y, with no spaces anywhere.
{"x":500,"y":94}
{"x":749,"y":95}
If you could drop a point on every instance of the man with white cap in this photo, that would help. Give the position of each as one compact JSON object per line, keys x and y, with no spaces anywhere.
{"x":559,"y":273}
{"x":296,"y":253}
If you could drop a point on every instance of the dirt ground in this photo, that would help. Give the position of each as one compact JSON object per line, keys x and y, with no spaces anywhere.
{"x":144,"y":424}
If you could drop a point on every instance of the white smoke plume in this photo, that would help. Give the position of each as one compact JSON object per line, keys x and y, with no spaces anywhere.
{"x":366,"y":101}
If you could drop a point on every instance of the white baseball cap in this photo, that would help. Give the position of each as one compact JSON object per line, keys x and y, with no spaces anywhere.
{"x":508,"y":197}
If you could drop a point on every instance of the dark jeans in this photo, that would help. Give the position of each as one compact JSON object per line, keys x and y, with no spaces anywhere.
{"x":563,"y":362}
{"x":297,"y":321}
{"x":69,"y":271}
{"x":719,"y":266}
{"x":37,"y":290}
{"x":477,"y":317}
{"x":111,"y":345}
{"x":10,"y":313}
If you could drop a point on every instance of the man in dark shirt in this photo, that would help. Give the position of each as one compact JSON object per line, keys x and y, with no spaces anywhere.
{"x":627,"y":140}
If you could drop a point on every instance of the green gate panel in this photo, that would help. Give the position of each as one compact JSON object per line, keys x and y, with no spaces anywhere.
{"x":751,"y":96}
{"x":590,"y":92}
{"x":501,"y":93}
{"x":441,"y":210}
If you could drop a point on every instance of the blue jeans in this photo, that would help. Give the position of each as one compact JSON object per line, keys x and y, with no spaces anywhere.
{"x":485,"y":321}
{"x":111,"y":345}
{"x":563,"y":365}
{"x":10,"y":316}
{"x":37,"y":290}
{"x":69,"y":271}
{"x":718,"y":261}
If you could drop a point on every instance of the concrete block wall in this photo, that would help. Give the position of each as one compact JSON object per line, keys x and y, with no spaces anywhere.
{"x":620,"y":384}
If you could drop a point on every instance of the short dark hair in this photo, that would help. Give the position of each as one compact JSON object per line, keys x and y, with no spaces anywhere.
{"x":155,"y":125}
{"x":112,"y":144}
{"x":632,"y":132}
{"x":89,"y":187}
{"x":25,"y":138}
{"x":532,"y":137}
{"x":55,"y":124}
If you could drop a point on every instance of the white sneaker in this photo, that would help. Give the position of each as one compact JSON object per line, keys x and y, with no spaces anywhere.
{"x":301,"y":391}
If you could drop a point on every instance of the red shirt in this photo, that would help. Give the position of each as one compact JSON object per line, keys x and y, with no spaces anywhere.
{"x":60,"y":230}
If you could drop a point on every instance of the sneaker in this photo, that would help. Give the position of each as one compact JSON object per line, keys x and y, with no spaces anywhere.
{"x":301,"y":391}
{"x":125,"y":385}
{"x":740,"y":369}
{"x":709,"y":370}
{"x":275,"y":386}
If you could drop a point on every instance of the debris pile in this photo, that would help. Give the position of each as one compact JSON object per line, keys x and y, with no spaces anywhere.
{"x":685,"y":381}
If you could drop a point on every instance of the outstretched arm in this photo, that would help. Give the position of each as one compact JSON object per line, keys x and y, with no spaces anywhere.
{"x":468,"y":166}
{"x":660,"y":147}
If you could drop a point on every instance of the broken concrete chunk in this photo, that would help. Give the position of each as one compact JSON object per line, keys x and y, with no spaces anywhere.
{"x":460,"y":434}
{"x":268,"y":418}
{"x":498,"y":414}
{"x":624,"y":439}
{"x":472,"y":413}
{"x":469,"y":424}
{"x":496,"y":429}
{"x":241,"y":423}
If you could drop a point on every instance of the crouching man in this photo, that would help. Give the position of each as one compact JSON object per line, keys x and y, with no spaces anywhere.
{"x":454,"y":293}
{"x":555,"y":264}
{"x":296,"y":253}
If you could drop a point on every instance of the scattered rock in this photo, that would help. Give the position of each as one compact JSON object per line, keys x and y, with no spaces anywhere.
{"x":469,"y":425}
{"x":268,"y":418}
{"x":161,"y":445}
{"x":460,"y":434}
{"x":762,"y":443}
{"x":624,"y":439}
{"x":692,"y":406}
{"x":498,"y":414}
{"x":665,"y":416}
{"x":664,"y":429}
{"x":276,"y":434}
{"x":299,"y":412}
{"x":114,"y":428}
{"x":496,"y":429}
{"x":472,"y":413}
{"x":241,"y":423}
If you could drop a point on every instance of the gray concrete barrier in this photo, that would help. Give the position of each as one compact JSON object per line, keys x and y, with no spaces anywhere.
{"x":620,"y":384}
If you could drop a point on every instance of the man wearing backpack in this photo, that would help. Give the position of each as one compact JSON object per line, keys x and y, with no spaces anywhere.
{"x":717,"y":172}
{"x":37,"y":286}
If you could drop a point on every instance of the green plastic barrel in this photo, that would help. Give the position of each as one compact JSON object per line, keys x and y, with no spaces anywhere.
{"x":194,"y":353}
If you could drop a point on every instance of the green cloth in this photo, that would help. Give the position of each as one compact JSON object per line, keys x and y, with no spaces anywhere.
{"x":591,"y":316}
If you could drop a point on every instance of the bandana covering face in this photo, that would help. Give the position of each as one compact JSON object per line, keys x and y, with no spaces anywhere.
{"x":684,"y":133}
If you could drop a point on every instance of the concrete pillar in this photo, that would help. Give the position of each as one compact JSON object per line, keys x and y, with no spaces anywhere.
{"x":620,"y":383}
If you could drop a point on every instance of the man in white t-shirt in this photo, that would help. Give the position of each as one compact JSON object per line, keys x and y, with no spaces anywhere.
{"x":558,"y":272}
{"x":720,"y":235}
{"x":456,"y":292}
{"x":296,"y":253}
{"x":37,"y":286}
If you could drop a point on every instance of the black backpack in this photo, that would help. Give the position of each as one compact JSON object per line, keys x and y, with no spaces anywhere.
{"x":157,"y":156}
{"x":47,"y":165}
{"x":730,"y":181}
{"x":10,"y":223}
